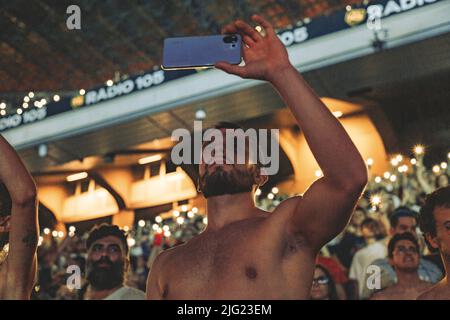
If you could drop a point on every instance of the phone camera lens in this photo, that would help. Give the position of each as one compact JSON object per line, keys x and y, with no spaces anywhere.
{"x":230,"y":39}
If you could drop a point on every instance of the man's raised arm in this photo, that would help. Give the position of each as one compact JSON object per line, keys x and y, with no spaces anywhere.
{"x":327,"y":205}
{"x":23,"y":226}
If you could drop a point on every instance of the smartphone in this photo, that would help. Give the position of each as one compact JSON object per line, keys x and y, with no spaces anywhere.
{"x":201,"y":51}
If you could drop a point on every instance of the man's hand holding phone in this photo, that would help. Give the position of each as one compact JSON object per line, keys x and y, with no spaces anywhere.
{"x":264,"y":56}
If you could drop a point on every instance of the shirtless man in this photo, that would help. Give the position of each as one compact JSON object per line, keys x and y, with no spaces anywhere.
{"x":403,"y":252}
{"x":18,"y":225}
{"x":434,"y":221}
{"x":247,"y":253}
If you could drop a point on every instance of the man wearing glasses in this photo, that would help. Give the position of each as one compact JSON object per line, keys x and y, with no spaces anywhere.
{"x":403,"y":252}
{"x":107,"y":264}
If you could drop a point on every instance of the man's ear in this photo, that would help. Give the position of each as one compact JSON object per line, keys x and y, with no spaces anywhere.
{"x":432,"y":240}
{"x":5,"y":224}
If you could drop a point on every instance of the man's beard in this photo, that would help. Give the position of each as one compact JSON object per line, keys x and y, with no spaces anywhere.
{"x":221,"y":182}
{"x":105,"y":278}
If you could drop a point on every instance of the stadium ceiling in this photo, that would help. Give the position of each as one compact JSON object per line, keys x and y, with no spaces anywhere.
{"x":117,"y":38}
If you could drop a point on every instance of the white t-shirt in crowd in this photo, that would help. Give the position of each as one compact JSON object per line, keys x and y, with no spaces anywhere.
{"x":126,"y":293}
{"x":363,"y":258}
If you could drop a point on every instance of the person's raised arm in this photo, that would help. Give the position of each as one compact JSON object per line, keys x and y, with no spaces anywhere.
{"x":327,"y":205}
{"x":23,"y":224}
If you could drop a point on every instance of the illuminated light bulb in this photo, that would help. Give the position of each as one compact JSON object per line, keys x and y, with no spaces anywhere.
{"x":158,"y":219}
{"x":369,"y":162}
{"x":190,"y":214}
{"x":419,"y":149}
{"x":180,"y":220}
{"x":43,"y":102}
{"x":60,"y":234}
{"x":54,"y":233}
{"x":26,"y":99}
{"x":72,"y":229}
{"x":393,"y":178}
{"x":394,"y":162}
{"x":375,"y":200}
{"x":194,"y":209}
{"x":348,"y":8}
{"x":141,"y":223}
{"x":126,"y":228}
{"x":443,"y":165}
{"x":31,"y":94}
{"x":41,"y":239}
{"x":109,"y":83}
{"x":318,"y":173}
{"x":37,"y":104}
{"x":436,"y":169}
{"x":258,"y":192}
{"x":82,"y":92}
{"x":131,"y":242}
{"x":25,"y":105}
{"x":377,"y":179}
{"x":270,"y":196}
{"x":155,"y":227}
{"x":399,"y":158}
{"x":56,"y":98}
{"x":19,"y":111}
{"x":386,"y":175}
{"x":275,"y":190}
{"x":258,"y":28}
{"x":46,"y":231}
{"x":200,"y":114}
{"x":165,"y":228}
{"x":205,"y":220}
{"x":413,"y":161}
{"x":176,"y":213}
{"x":2,"y":112}
{"x":167,"y":234}
{"x":184,"y":208}
{"x":71,"y":234}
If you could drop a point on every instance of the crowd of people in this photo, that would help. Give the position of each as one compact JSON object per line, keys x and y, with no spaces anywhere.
{"x":385,"y":218}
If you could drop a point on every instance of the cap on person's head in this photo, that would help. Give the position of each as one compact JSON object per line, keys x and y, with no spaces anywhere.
{"x":401,"y":212}
{"x":399,"y":237}
{"x":105,"y":230}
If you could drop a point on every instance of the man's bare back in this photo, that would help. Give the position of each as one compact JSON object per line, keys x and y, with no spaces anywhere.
{"x":244,"y":260}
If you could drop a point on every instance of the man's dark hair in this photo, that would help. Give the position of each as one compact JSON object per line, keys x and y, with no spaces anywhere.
{"x":398,"y":237}
{"x":227,"y":125}
{"x":438,"y":198}
{"x":104,"y":230}
{"x":401,"y":212}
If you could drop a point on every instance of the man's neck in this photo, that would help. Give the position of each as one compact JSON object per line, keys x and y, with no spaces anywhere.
{"x":407,"y":279}
{"x":225,"y":209}
{"x":93,"y":294}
